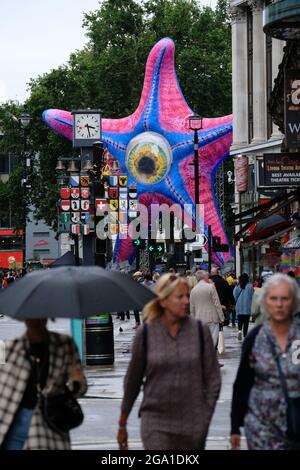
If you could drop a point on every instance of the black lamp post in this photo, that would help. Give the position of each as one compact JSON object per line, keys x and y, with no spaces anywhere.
{"x":24,"y":121}
{"x":195,"y":124}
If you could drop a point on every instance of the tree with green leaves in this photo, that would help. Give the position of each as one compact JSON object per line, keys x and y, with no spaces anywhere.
{"x":108,"y":74}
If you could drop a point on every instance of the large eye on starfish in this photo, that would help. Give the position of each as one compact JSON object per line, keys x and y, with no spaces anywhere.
{"x":148,"y":157}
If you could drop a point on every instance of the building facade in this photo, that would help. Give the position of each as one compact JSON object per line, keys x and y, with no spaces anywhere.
{"x":258,"y":64}
{"x":40,"y":239}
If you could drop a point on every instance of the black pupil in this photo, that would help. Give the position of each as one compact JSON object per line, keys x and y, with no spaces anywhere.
{"x":146,"y":165}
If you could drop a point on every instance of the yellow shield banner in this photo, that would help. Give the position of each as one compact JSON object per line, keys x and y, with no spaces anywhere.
{"x":84,"y":181}
{"x":123,"y":180}
{"x":114,"y":204}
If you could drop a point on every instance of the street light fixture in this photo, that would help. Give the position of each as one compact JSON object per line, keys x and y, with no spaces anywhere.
{"x":195,"y":124}
{"x":24,"y":121}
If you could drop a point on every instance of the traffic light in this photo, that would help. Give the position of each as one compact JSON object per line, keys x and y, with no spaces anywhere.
{"x":219,"y":247}
{"x":216,"y":243}
{"x":154,"y":247}
{"x":151,"y":247}
{"x":160,"y":248}
{"x":139,"y":244}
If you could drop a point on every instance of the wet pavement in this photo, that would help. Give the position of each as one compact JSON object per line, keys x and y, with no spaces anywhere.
{"x":101,"y":404}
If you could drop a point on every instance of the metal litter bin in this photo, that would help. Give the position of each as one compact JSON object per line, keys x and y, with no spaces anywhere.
{"x":99,"y":340}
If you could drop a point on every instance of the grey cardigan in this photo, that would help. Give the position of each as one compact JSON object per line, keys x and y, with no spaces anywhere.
{"x":181,"y":388}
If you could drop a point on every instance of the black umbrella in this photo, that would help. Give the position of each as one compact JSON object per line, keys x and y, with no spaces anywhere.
{"x":72,"y":292}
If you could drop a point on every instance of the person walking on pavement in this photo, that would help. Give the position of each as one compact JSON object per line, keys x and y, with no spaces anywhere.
{"x":243,"y":294}
{"x":175,"y":355}
{"x":138,"y":277}
{"x":232,"y":282}
{"x":205,"y":305}
{"x":268,"y":376}
{"x":38,"y":359}
{"x":224,"y":292}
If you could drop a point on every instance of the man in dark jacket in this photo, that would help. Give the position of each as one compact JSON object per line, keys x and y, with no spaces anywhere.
{"x":224,"y":292}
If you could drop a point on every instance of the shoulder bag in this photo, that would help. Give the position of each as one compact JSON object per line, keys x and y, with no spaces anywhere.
{"x":61,"y":412}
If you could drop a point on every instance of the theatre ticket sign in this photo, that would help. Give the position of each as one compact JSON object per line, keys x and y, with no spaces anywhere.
{"x":281,"y":170}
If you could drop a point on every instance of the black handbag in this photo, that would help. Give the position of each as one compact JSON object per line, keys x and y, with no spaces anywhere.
{"x":292,"y":404}
{"x":61,"y":412}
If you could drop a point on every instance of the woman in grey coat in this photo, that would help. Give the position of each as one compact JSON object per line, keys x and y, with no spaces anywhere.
{"x":173,"y":357}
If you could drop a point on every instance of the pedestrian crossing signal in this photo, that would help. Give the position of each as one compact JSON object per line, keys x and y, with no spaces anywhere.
{"x":139,"y":244}
{"x":219,"y":247}
{"x":158,"y":248}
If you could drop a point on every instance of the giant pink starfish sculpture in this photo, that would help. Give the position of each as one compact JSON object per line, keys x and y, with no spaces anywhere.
{"x":161,"y":120}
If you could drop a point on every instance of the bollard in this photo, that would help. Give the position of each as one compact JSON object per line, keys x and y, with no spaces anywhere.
{"x":99,"y":340}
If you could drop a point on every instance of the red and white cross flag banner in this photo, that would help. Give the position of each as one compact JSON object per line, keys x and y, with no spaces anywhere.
{"x":101,"y":206}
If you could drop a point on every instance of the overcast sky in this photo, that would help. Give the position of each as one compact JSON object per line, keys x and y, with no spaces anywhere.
{"x":37,"y":36}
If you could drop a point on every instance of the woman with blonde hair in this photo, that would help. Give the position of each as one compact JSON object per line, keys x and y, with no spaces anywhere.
{"x":173,"y":358}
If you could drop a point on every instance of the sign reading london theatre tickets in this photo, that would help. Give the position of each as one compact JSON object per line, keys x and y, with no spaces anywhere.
{"x":281,"y":169}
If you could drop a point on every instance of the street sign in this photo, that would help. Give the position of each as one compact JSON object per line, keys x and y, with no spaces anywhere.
{"x":201,"y":239}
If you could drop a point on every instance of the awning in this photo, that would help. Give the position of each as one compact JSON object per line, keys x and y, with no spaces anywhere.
{"x":268,"y":239}
{"x":293,"y":243}
{"x":264,"y":211}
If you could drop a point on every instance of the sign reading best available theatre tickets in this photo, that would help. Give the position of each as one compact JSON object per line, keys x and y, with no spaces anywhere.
{"x":292,"y":108}
{"x":281,"y":170}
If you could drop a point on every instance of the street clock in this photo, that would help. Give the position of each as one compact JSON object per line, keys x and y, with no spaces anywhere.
{"x":86,"y":127}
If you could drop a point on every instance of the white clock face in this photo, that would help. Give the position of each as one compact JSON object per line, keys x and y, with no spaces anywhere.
{"x":87,"y":126}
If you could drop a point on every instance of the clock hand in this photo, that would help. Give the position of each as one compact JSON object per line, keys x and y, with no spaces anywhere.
{"x":88,"y":128}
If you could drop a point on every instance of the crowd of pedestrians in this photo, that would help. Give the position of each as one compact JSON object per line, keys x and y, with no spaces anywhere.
{"x":174,"y":356}
{"x":171,"y":360}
